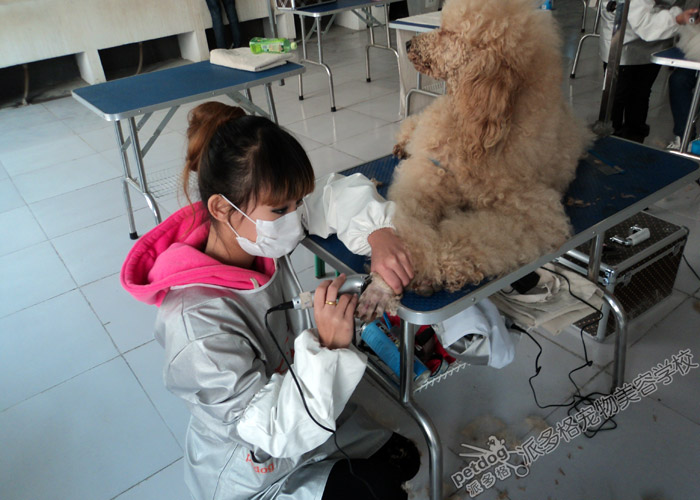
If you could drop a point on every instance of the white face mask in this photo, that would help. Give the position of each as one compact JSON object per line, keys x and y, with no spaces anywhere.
{"x":275,"y":237}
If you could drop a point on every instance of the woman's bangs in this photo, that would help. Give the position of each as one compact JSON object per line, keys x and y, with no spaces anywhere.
{"x":292,"y":184}
{"x":286,"y":172}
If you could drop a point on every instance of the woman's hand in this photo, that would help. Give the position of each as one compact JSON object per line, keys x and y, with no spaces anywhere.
{"x":334,"y":315}
{"x":390,"y":259}
{"x":685,"y":16}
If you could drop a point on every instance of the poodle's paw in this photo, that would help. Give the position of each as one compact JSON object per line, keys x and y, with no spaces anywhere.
{"x":457,"y":280}
{"x":400,"y":151}
{"x":377,"y":298}
{"x":424,"y":287}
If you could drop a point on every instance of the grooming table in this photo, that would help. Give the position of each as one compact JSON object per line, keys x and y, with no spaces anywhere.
{"x":406,"y":28}
{"x":675,"y":57}
{"x":363,"y":10}
{"x":616,"y":180}
{"x":142,"y":95}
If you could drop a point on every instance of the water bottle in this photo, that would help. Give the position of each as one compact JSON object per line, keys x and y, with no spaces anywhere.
{"x":260,"y":45}
{"x":385,"y":343}
{"x":546,"y":5}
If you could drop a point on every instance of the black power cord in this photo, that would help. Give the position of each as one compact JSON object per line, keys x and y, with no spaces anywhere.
{"x":577,"y":398}
{"x":691,"y":267}
{"x":282,"y":307}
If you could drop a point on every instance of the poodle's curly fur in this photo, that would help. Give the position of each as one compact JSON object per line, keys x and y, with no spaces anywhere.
{"x":479,"y":191}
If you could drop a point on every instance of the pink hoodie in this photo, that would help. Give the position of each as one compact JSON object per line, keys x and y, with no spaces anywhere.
{"x":172,"y":254}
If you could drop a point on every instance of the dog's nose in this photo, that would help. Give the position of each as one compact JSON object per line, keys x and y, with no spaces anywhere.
{"x":408,"y":45}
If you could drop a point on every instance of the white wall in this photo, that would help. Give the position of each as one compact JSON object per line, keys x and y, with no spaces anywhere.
{"x":350,"y":20}
{"x":33,"y":30}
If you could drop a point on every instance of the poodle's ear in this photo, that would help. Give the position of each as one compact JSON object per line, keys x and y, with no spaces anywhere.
{"x":485,"y":93}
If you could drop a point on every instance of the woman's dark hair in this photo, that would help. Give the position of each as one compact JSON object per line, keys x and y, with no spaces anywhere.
{"x":248,"y":159}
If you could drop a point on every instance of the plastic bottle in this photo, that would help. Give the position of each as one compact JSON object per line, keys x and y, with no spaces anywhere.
{"x":546,"y":5}
{"x":260,"y":45}
{"x":384,"y":344}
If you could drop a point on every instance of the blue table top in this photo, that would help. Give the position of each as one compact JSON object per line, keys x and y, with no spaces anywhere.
{"x":614,"y":181}
{"x":136,"y":95}
{"x":398,"y":24}
{"x":338,"y":6}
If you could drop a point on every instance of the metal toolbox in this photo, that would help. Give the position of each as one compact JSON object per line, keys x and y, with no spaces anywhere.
{"x":299,"y":4}
{"x":639,"y":275}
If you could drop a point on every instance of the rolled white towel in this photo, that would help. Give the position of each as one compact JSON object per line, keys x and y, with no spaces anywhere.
{"x":242,"y":58}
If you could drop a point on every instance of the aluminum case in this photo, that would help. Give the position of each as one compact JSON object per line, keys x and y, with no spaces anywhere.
{"x":640,"y":276}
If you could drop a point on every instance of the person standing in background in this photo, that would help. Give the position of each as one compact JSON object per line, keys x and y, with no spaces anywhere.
{"x":650,"y":28}
{"x":218,"y":22}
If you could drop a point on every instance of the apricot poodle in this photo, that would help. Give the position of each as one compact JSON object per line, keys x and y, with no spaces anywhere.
{"x":479,"y":191}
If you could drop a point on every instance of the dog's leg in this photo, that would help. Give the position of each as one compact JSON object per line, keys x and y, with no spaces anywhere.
{"x":422,"y":193}
{"x":404,"y":136}
{"x":489,"y":242}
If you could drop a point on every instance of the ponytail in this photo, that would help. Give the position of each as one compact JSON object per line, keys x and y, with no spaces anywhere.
{"x":203,"y":122}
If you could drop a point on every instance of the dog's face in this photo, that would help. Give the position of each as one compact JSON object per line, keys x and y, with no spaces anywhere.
{"x":477,"y":39}
{"x":487,"y":51}
{"x":426,"y":56}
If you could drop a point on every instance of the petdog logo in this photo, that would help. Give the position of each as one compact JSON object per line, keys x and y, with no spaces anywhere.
{"x":496,"y":456}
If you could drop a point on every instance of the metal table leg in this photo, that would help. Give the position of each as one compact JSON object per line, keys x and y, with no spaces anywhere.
{"x":594,"y":258}
{"x":138,"y":157}
{"x":370,"y":26}
{"x":424,"y":422}
{"x":273,"y":25}
{"x":317,"y":63}
{"x":585,"y":37}
{"x":245,"y":103}
{"x":325,"y":66}
{"x":417,"y":90}
{"x":370,"y":21}
{"x":125,"y":180}
{"x":271,"y":103}
{"x":618,"y":377}
{"x":303,"y":55}
{"x":578,"y":52}
{"x":320,"y":62}
{"x":404,"y":393}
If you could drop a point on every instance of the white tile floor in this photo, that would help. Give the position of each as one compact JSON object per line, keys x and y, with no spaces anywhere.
{"x":83,"y":412}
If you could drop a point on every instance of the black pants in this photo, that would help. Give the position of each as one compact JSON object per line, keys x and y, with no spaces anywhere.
{"x":384,"y":472}
{"x":631,"y":103}
{"x":681,"y":86}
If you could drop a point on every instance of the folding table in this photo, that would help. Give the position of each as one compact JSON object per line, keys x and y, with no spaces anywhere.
{"x":142,"y":95}
{"x":363,"y":10}
{"x":616,"y":179}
